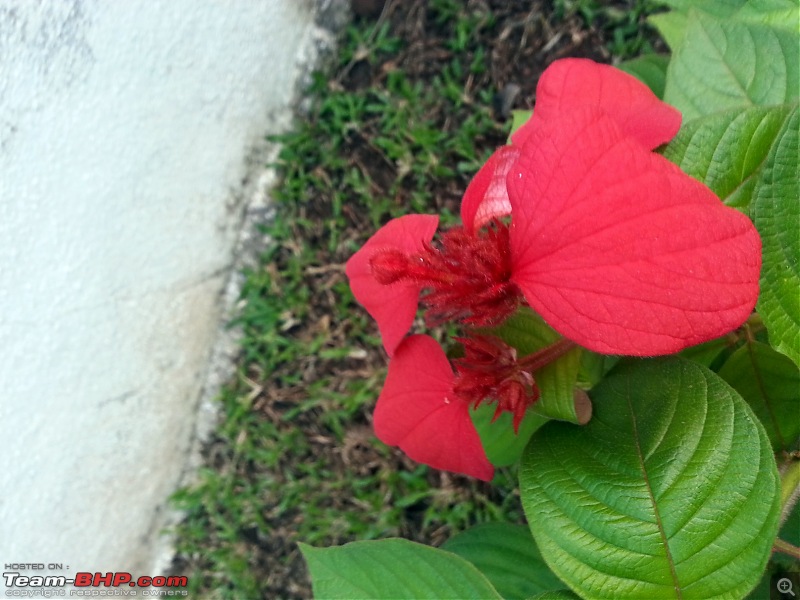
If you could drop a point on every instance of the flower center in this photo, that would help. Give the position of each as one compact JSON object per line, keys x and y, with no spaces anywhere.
{"x":491,"y":372}
{"x":467,"y":277}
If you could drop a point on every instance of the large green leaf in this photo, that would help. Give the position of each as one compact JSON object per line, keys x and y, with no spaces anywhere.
{"x":770,"y":383}
{"x":776,"y":213}
{"x":750,"y":158}
{"x":671,"y":491}
{"x":650,"y":69}
{"x":733,"y":62}
{"x":710,"y":353}
{"x":556,"y":595}
{"x":672,"y":25}
{"x":509,"y":558}
{"x":527,"y":332}
{"x":504,"y":446}
{"x":728,"y":151}
{"x":393,"y":568}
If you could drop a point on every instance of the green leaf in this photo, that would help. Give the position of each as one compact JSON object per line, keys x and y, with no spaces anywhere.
{"x":594,"y":367}
{"x":776,"y":214}
{"x":770,"y":383}
{"x":671,"y":491}
{"x":720,"y":64}
{"x":393,"y":568}
{"x":718,"y":8}
{"x":728,"y":151}
{"x":784,"y":14}
{"x":750,"y":159}
{"x":650,"y":69}
{"x":527,"y":332}
{"x":556,"y":595}
{"x":508,"y":556}
{"x":671,"y":25}
{"x":503,"y":447}
{"x":709,"y":353}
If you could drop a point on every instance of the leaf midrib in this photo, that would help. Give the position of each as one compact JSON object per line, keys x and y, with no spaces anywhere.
{"x":659,"y":524}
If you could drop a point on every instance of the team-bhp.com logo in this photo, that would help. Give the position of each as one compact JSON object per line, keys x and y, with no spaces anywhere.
{"x":89,"y":584}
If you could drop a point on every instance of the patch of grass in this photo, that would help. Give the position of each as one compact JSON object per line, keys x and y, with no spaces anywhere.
{"x":623,"y":25}
{"x":399,"y":125}
{"x":294,"y":457}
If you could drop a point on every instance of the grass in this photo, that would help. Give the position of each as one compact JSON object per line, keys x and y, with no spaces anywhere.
{"x":293,"y":457}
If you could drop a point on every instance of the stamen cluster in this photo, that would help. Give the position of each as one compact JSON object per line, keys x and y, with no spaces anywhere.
{"x":465,"y":278}
{"x":490,"y":372}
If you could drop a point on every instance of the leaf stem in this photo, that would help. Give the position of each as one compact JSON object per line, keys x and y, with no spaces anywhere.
{"x":790,"y":486}
{"x":786,"y":548}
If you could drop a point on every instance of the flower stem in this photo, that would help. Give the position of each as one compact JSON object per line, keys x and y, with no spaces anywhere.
{"x":545,"y":356}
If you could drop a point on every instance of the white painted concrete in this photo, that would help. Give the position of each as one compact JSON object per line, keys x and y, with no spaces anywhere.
{"x":125,"y":127}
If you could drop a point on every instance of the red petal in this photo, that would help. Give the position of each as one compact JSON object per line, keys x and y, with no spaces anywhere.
{"x":392,"y":306}
{"x":574,"y":83}
{"x":618,"y":249}
{"x":419,"y":412}
{"x":486,"y":196}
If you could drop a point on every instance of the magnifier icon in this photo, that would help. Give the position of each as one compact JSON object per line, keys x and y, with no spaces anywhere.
{"x":785,"y":586}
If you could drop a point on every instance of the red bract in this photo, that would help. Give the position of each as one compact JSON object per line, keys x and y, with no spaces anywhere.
{"x":568,"y":85}
{"x":619,"y":250}
{"x":393,"y":305}
{"x":466,"y":276}
{"x":486,"y":197}
{"x":576,"y":83}
{"x":419,"y":411}
{"x":424,"y":407}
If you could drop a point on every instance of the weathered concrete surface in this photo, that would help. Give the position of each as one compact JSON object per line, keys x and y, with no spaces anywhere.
{"x":129,"y":132}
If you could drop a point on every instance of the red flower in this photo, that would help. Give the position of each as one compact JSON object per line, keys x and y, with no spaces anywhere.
{"x":615,"y":247}
{"x":565,"y":86}
{"x":620,"y":251}
{"x":420,"y":412}
{"x":424,"y":408}
{"x":392,"y":304}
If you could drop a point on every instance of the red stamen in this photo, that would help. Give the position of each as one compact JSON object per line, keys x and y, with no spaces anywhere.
{"x":490,"y":372}
{"x":466,"y":278}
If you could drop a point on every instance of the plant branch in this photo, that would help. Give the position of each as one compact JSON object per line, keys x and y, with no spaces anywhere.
{"x":790,"y":487}
{"x":545,"y":356}
{"x":786,"y":548}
